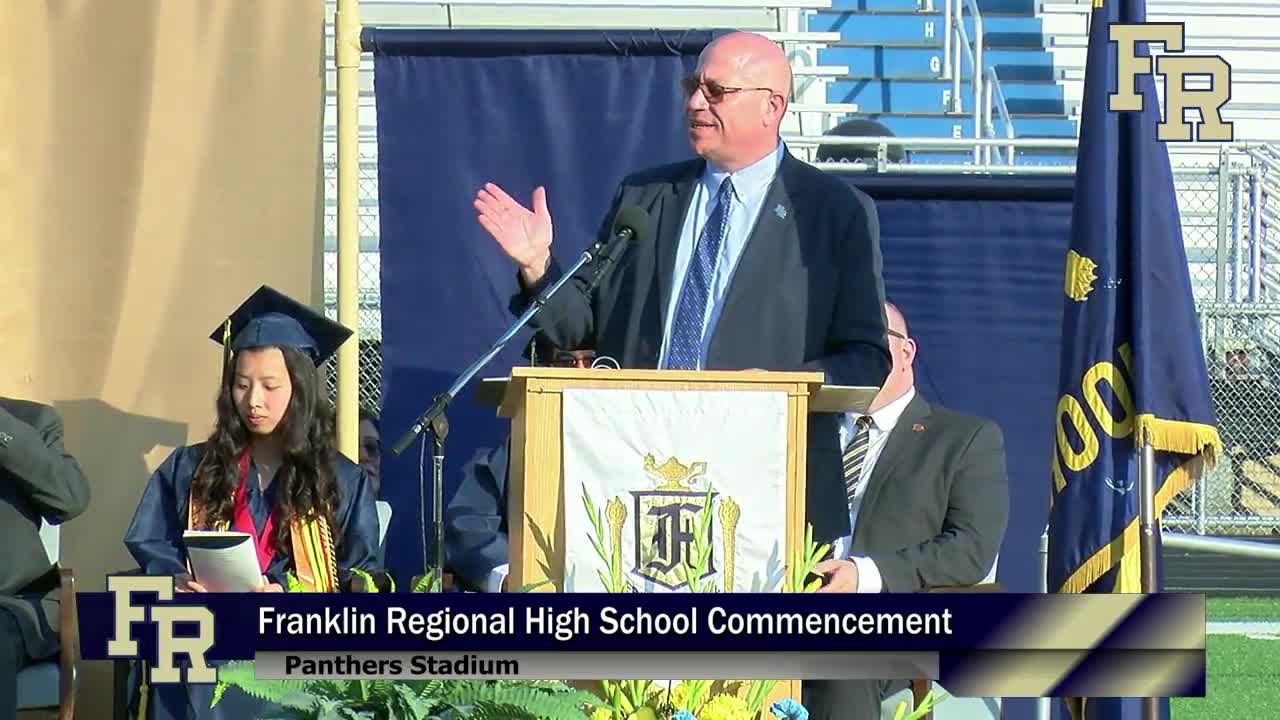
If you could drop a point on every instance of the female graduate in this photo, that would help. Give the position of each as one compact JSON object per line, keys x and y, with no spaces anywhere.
{"x":270,"y":469}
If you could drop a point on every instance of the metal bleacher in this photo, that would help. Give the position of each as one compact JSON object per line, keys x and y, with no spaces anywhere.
{"x":911,"y":68}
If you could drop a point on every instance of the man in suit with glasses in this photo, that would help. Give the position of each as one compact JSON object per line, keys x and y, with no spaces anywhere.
{"x":928,"y":500}
{"x":753,"y":258}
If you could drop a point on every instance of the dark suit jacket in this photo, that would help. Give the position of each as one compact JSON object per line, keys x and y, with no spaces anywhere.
{"x":806,"y":294}
{"x":934,"y":515}
{"x":937,"y":502}
{"x":38,"y":479}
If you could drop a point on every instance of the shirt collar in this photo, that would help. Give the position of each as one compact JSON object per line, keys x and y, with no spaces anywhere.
{"x":887,"y":417}
{"x":748,"y":181}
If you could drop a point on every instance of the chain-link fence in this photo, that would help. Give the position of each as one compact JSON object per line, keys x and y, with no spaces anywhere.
{"x":1222,"y":200}
{"x":1241,"y":494}
{"x":370,"y":277}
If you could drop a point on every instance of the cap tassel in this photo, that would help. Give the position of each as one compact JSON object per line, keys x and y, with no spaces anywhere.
{"x":226,"y":343}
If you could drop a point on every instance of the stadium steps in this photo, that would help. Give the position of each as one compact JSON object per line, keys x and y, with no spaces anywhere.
{"x":893,"y":50}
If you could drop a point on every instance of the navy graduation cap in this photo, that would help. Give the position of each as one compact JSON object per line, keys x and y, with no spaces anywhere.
{"x":269,"y":317}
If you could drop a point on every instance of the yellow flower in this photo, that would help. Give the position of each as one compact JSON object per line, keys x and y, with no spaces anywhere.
{"x":602,"y":714}
{"x":680,"y":697}
{"x":725,"y":707}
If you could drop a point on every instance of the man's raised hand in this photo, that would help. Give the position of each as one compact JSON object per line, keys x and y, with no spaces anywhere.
{"x":524,"y":235}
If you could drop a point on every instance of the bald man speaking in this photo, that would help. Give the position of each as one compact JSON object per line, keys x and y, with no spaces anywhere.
{"x":752,"y":258}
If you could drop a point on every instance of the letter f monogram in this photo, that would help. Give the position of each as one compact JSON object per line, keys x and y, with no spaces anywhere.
{"x":164,"y":616}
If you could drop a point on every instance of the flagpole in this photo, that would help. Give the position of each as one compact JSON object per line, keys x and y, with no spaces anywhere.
{"x":1147,"y":538}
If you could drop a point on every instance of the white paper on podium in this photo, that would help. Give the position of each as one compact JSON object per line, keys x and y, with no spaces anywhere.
{"x":634,"y":447}
{"x":223,"y":561}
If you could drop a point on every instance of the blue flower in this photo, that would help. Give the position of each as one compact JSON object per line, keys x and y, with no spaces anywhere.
{"x":683,"y":715}
{"x":789,"y":709}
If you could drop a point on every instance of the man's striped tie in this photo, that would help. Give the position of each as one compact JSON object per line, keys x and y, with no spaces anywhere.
{"x":854,"y":456}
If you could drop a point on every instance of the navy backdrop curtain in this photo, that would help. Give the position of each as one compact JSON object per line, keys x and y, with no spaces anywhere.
{"x":574,"y":111}
{"x":976,"y":265}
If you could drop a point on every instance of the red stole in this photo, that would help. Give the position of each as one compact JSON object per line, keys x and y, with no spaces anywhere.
{"x":243,"y":519}
{"x":314,"y":559}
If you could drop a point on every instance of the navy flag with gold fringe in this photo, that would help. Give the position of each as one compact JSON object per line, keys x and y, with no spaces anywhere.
{"x":1132,"y":361}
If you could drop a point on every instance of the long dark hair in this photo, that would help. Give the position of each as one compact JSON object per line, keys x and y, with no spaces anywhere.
{"x":305,"y":483}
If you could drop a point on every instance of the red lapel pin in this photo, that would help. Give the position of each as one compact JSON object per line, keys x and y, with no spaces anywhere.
{"x":918,"y":427}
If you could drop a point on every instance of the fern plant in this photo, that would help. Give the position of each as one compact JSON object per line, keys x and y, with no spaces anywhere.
{"x":411,"y":699}
{"x":316,"y":699}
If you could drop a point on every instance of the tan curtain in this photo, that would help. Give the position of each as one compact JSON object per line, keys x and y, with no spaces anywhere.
{"x":158,"y":161}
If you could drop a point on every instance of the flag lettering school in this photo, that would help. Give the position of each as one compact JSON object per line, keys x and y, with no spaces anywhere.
{"x":566,"y":624}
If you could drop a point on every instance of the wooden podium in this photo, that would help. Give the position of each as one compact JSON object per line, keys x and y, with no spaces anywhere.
{"x":532,"y":399}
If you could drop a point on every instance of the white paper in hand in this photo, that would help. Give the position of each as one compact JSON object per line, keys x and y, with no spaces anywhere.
{"x":223,"y":561}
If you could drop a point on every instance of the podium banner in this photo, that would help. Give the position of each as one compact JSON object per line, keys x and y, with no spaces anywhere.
{"x":645,"y":461}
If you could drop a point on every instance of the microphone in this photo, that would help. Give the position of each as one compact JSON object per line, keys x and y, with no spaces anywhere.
{"x":630,"y":223}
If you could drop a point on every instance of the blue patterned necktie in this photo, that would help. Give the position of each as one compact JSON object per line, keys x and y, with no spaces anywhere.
{"x":685,"y":348}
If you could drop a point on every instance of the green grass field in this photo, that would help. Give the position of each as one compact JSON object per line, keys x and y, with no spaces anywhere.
{"x":1244,"y":608}
{"x":1243,"y":673}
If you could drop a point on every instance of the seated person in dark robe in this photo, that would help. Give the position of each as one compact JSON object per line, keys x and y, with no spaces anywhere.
{"x":270,"y":469}
{"x":371,"y":448}
{"x":476,"y":519}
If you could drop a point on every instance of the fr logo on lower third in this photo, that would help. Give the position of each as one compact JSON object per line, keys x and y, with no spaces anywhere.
{"x":165,"y":618}
{"x":1175,"y":69}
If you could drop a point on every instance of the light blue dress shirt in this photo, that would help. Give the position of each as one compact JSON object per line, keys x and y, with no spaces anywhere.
{"x":750,"y":186}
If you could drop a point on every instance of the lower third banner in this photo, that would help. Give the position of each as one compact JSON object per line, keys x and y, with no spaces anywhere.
{"x":975,"y":644}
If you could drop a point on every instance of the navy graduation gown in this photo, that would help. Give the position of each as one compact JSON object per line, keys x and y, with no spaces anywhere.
{"x":476,"y":534}
{"x":154,"y":539}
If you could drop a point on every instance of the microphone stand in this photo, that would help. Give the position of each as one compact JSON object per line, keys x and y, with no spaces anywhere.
{"x":438,"y":429}
{"x":434,"y":418}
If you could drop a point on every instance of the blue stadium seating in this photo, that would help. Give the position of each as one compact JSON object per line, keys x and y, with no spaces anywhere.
{"x":893,"y":51}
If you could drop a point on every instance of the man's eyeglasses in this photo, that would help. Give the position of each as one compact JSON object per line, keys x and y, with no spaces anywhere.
{"x":713,"y":91}
{"x":898,"y":335}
